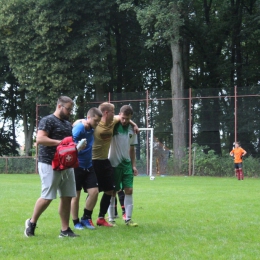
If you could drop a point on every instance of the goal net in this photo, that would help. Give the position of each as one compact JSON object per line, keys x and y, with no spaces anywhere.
{"x":144,"y":151}
{"x":152,"y":156}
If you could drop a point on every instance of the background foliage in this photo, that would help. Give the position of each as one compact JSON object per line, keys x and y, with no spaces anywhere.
{"x":87,"y":49}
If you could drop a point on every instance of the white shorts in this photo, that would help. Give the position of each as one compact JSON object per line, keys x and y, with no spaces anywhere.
{"x":53,"y":181}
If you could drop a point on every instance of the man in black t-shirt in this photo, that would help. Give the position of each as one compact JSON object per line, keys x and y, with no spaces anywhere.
{"x":51,"y":130}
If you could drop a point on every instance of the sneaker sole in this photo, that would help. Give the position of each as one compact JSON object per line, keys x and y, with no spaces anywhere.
{"x":131,"y":224}
{"x":81,"y":228}
{"x":62,"y":236}
{"x":100,"y":225}
{"x":88,"y":226}
{"x":26,"y":226}
{"x":91,"y":228}
{"x":113,"y":224}
{"x":67,"y":236}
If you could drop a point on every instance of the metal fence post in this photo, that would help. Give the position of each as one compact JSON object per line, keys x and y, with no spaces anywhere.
{"x":190,"y":130}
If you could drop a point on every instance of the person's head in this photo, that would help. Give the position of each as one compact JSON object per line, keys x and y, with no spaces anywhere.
{"x":94,"y":116}
{"x":64,"y":107}
{"x":237,"y":144}
{"x":126,"y":113}
{"x":108,"y":111}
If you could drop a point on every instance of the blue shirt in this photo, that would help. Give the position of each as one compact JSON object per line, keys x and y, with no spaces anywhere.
{"x":85,"y":156}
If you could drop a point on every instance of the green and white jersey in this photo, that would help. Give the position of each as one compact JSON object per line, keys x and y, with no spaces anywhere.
{"x":123,"y":138}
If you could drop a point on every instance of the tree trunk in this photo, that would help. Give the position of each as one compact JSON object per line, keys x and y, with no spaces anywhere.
{"x":28,"y":134}
{"x":28,"y":125}
{"x":178,"y":108}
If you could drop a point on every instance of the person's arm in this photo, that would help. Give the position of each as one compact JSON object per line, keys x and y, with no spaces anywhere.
{"x":132,"y":156}
{"x":76,"y":133}
{"x":117,"y":118}
{"x":77,"y":121}
{"x":244,"y":153}
{"x":134,"y":125}
{"x":231,"y":153}
{"x":42,"y":138}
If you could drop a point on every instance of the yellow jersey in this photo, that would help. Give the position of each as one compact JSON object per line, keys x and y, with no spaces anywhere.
{"x":102,"y":138}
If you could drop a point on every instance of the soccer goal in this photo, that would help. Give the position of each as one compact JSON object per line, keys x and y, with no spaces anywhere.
{"x":145,"y":151}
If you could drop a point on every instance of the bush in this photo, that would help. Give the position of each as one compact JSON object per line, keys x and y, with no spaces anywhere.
{"x":251,"y":166}
{"x":210,"y":164}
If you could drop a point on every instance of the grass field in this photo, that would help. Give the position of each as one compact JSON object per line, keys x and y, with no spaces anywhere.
{"x":178,"y":217}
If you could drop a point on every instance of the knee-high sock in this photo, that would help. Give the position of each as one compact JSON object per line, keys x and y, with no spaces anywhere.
{"x":241,"y":174}
{"x":128,"y":202}
{"x":116,"y":213}
{"x":238,"y":174}
{"x":111,"y":209}
{"x":121,"y":196}
{"x":104,"y":204}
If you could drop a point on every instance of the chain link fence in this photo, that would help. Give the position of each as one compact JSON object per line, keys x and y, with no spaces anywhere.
{"x":18,"y":164}
{"x":214,"y":120}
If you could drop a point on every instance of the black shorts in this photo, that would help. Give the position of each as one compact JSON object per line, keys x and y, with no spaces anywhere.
{"x":238,"y":165}
{"x":85,"y":178}
{"x":105,"y":174}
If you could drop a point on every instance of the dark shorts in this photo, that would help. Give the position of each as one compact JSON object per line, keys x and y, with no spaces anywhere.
{"x":85,"y":178}
{"x":238,"y":165}
{"x":105,"y":174}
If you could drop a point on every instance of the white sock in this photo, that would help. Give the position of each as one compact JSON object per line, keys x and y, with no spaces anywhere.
{"x":128,"y":202}
{"x":111,"y":209}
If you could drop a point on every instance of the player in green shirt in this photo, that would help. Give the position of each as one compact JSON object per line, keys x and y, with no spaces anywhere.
{"x":122,"y":158}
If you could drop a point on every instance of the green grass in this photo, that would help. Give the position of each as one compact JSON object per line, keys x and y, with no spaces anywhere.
{"x":178,"y":217}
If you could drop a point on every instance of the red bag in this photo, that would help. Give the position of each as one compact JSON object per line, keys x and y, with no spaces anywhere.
{"x":66,"y":155}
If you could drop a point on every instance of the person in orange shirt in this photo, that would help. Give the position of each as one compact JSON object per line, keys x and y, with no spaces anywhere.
{"x":238,"y":153}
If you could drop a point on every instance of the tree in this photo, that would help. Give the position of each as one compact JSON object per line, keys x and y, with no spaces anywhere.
{"x":8,"y":112}
{"x":53,"y":48}
{"x":161,"y":22}
{"x":220,"y":34}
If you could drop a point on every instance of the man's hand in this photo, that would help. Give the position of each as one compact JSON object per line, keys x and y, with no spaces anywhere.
{"x":135,"y":171}
{"x":136,"y":129}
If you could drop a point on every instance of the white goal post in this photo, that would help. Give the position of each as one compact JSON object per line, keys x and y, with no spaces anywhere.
{"x":149,"y":158}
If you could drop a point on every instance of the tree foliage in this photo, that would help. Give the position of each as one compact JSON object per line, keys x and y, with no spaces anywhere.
{"x":85,"y":49}
{"x":54,"y":47}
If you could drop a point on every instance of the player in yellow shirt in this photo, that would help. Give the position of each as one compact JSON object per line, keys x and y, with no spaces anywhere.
{"x":102,"y":138}
{"x":104,"y":171}
{"x":238,"y":153}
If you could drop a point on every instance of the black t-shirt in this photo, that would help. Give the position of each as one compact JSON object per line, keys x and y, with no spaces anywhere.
{"x":57,"y":129}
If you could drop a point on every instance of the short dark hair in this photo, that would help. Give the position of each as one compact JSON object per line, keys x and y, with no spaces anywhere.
{"x":94,"y":111}
{"x":127,"y":110}
{"x":64,"y":100}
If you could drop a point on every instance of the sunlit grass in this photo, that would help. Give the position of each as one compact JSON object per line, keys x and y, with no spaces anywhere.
{"x":178,"y":217}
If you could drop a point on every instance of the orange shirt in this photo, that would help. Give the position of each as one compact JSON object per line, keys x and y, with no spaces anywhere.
{"x":237,"y":152}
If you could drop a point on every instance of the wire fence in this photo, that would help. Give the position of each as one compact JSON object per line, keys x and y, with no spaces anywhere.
{"x":214,"y":119}
{"x":18,"y":164}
